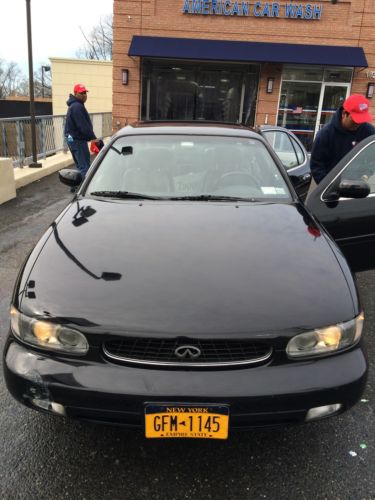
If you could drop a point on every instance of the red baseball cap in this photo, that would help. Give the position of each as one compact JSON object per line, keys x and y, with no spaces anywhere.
{"x":357,"y":106}
{"x":79,"y":88}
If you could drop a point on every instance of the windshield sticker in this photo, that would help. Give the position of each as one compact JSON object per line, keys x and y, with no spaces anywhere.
{"x":272,"y":190}
{"x":268,"y":190}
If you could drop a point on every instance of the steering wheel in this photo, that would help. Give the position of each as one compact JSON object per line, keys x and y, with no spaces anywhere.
{"x":241,"y":178}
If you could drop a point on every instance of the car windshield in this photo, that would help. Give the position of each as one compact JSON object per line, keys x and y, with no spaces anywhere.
{"x":188,"y":167}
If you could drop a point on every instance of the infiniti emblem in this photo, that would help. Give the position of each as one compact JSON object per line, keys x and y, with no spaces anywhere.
{"x":187,"y":351}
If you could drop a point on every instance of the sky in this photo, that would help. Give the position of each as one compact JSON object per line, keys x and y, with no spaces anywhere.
{"x":55,"y":26}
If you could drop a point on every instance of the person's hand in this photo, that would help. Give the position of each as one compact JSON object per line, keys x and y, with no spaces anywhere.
{"x":94,"y":147}
{"x":100,"y":143}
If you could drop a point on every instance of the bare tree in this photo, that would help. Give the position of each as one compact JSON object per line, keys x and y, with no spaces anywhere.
{"x":23,"y":87}
{"x":99,"y":41}
{"x":11,"y":79}
{"x":14,"y":82}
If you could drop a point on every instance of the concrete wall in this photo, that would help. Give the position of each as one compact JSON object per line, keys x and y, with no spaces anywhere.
{"x":7,"y":184}
{"x":95,"y":75}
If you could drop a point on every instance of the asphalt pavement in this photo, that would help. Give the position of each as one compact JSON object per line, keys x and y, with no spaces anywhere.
{"x":46,"y":457}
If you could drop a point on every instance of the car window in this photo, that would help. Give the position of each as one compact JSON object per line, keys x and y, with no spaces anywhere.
{"x":176,"y":165}
{"x":299,"y":151}
{"x":282,"y":144}
{"x":362,"y":167}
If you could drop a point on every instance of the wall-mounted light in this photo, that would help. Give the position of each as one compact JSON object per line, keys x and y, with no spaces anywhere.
{"x":125,"y":76}
{"x":370,"y":90}
{"x":270,"y":81}
{"x":44,"y":69}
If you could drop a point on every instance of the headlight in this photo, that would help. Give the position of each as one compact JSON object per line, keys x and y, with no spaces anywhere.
{"x":47,"y":335}
{"x":326,"y":340}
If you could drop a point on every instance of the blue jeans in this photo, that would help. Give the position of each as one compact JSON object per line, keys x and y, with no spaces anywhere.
{"x":81,"y":155}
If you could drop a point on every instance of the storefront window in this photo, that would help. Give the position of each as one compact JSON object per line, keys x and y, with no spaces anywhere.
{"x":338,"y":75}
{"x":309,"y":98}
{"x":185,"y":91}
{"x":303,"y":73}
{"x":298,"y":109}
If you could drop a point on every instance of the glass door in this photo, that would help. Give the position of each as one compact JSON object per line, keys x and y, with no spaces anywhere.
{"x":332,"y":97}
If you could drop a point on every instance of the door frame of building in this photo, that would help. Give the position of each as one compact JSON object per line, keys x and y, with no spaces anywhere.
{"x":321,"y":99}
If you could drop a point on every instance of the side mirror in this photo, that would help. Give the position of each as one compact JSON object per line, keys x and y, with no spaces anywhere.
{"x":353,"y":189}
{"x":70,"y":177}
{"x":109,"y":276}
{"x":347,"y":189}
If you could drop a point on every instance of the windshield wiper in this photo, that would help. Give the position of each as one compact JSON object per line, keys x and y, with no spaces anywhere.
{"x":141,"y":196}
{"x":211,"y":197}
{"x":124,"y":194}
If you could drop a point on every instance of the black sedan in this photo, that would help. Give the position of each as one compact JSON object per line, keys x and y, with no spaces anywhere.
{"x":292,"y":154}
{"x":186,"y":290}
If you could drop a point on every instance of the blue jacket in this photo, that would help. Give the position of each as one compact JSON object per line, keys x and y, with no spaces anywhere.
{"x":78,"y":123}
{"x":332,"y":143}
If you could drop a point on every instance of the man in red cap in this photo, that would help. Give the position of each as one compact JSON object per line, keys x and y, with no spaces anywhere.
{"x":348,"y":127}
{"x":78,"y":128}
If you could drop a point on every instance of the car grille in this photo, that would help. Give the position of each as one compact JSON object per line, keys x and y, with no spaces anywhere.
{"x":187,"y":352}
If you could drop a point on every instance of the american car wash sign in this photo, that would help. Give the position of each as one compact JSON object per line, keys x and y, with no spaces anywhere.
{"x":258,"y":9}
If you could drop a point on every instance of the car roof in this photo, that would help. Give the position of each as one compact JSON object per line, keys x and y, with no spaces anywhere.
{"x":264,"y":128}
{"x":187,"y":127}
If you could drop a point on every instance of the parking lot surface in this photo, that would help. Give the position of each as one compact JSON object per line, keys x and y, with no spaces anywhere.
{"x":50,"y":457}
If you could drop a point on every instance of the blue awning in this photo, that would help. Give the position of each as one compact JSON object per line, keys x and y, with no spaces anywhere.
{"x":225,"y":50}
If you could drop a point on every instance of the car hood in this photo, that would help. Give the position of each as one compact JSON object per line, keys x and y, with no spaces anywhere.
{"x":187,"y":268}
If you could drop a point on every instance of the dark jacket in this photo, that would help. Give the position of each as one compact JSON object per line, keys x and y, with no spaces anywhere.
{"x":78,"y":123}
{"x":332,"y":143}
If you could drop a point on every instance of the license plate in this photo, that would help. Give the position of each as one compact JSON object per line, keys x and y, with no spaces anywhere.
{"x":186,"y":421}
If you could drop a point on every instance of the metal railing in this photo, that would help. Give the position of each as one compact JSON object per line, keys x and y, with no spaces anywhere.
{"x":15,"y":136}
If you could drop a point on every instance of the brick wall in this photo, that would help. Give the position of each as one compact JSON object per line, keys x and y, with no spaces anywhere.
{"x":364,"y":21}
{"x":345,"y":23}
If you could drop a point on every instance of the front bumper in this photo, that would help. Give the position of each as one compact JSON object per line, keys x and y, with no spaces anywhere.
{"x":257,"y":396}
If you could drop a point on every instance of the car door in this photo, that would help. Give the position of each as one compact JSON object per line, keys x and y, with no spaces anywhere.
{"x":293,"y":156}
{"x":349,"y":220}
